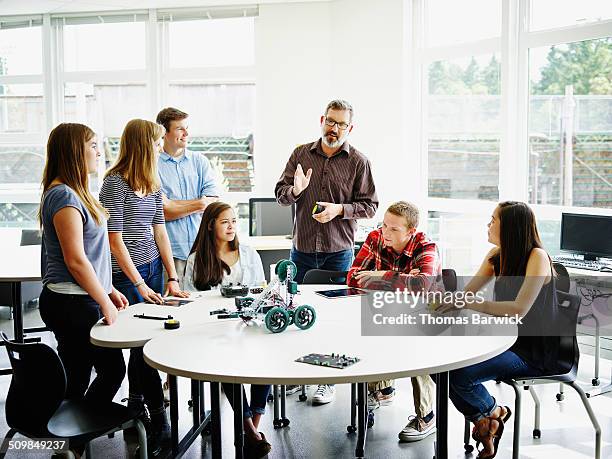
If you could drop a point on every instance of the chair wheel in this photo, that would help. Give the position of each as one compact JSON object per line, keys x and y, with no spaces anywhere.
{"x":351,"y":429}
{"x":303,"y":398}
{"x":277,"y":423}
{"x":537,"y":433}
{"x":560,"y":397}
{"x":190,"y":403}
{"x":285,"y":422}
{"x":468,"y":448}
{"x":270,"y":398}
{"x":370,"y":419}
{"x":595,"y":381}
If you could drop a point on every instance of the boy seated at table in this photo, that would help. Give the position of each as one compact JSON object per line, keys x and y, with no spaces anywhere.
{"x":397,"y":256}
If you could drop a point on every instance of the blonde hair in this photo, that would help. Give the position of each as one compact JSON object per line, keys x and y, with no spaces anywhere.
{"x":407,"y":210}
{"x":66,"y":163}
{"x":137,"y":160}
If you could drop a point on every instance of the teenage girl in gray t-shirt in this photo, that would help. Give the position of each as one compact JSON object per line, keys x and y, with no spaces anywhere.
{"x":77,"y":289}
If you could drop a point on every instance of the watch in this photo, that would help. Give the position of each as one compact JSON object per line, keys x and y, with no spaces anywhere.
{"x":173,"y":279}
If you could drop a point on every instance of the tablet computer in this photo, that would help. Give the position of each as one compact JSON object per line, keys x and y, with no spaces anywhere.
{"x":341,"y":292}
{"x":175,"y":302}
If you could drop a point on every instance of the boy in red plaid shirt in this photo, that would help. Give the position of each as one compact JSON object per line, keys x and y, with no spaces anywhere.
{"x":394,"y":257}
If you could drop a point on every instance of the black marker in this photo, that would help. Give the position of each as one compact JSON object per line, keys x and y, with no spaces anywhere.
{"x":143,"y":316}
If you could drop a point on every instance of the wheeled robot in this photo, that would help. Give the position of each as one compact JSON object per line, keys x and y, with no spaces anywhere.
{"x":275,"y":305}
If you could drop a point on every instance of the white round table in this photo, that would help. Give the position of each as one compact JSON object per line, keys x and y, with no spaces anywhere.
{"x":230,"y":351}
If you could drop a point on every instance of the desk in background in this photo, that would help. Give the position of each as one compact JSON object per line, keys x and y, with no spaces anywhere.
{"x":596,"y":318}
{"x":19,"y":264}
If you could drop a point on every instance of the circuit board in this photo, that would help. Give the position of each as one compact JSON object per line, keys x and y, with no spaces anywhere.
{"x":328,"y":360}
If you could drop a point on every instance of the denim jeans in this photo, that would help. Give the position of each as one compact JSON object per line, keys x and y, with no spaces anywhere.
{"x":143,"y":380}
{"x":468,"y":394}
{"x":71,"y":317}
{"x":259,"y":397}
{"x":334,"y":261}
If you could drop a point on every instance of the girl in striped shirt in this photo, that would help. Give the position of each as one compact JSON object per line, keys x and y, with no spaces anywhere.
{"x":140,"y":246}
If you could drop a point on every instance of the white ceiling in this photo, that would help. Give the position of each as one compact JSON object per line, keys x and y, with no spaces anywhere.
{"x":19,"y":7}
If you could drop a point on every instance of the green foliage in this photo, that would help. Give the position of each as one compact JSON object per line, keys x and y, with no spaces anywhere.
{"x":451,"y":79}
{"x":587,"y":65}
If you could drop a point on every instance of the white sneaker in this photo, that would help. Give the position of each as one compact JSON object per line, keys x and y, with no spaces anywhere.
{"x":377,"y":399}
{"x":324,"y":394}
{"x":292,"y":389}
{"x":417,"y":429}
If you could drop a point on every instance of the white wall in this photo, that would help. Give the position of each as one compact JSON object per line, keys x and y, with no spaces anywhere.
{"x":309,"y":53}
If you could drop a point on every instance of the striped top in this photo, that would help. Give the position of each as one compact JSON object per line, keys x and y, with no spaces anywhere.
{"x":133,"y":217}
{"x":344,"y":178}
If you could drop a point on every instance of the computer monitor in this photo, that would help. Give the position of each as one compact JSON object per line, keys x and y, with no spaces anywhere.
{"x":588,"y":235}
{"x":268,"y":218}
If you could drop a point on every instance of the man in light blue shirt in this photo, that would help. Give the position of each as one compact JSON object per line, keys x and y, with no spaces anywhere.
{"x":188,"y":184}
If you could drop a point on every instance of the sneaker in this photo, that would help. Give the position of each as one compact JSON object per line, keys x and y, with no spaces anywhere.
{"x":417,"y":429}
{"x":377,"y":399}
{"x":324,"y":394}
{"x":292,"y":389}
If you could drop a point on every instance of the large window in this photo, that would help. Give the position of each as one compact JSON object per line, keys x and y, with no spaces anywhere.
{"x":464,"y":128}
{"x":570,"y":124}
{"x":515,"y":102}
{"x":210,"y":74}
{"x":104,"y":46}
{"x":105,"y":69}
{"x":22,"y":120}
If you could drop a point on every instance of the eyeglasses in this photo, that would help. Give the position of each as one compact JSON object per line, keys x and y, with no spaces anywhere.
{"x":331,"y":123}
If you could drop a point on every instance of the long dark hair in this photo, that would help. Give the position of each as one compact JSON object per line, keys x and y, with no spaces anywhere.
{"x":518,"y":235}
{"x":208,"y":268}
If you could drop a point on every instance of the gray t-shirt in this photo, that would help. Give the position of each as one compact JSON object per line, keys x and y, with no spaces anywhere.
{"x":95,"y":240}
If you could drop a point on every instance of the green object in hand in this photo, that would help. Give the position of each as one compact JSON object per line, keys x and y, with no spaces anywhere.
{"x":317,"y":209}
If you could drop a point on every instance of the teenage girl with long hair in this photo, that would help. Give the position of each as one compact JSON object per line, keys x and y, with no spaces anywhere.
{"x":140,"y":246}
{"x":217,"y":258}
{"x":76,"y":271}
{"x":524,"y":285}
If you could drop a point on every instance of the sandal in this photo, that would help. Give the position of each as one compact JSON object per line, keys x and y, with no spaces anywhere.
{"x":494,"y":436}
{"x":256,"y":449}
{"x":504,"y":419}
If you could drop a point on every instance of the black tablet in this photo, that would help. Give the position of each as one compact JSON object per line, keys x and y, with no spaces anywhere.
{"x":341,"y":292}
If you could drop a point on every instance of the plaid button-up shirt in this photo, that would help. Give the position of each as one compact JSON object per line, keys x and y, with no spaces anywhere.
{"x":420,"y":253}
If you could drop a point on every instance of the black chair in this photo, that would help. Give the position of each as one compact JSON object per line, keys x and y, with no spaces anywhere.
{"x":449,"y":278}
{"x":324,"y":276}
{"x":569,"y":356}
{"x":36,"y":407}
{"x":563,"y":277}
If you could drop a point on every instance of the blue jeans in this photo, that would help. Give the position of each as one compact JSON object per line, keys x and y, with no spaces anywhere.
{"x":334,"y":261}
{"x":468,"y":394}
{"x":144,"y":381}
{"x":152,"y":274}
{"x":259,"y":397}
